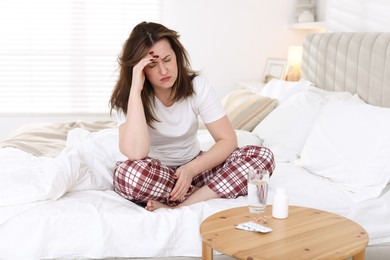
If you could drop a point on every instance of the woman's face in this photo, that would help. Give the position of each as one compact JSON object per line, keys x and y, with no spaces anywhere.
{"x":162,"y":73}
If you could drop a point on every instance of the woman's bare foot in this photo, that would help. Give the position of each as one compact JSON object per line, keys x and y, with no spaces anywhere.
{"x":152,"y":205}
{"x":202,"y":194}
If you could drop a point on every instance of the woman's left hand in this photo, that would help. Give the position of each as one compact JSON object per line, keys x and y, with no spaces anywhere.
{"x":183,"y":183}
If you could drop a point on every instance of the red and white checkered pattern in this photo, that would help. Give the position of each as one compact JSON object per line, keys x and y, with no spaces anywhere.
{"x":147,"y":179}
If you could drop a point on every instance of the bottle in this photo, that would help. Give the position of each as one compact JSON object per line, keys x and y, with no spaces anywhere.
{"x":280,"y":204}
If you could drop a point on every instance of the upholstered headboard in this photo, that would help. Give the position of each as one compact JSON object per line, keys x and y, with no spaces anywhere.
{"x":355,"y":62}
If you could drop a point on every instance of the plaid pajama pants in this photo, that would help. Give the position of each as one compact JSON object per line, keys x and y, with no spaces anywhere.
{"x":147,"y":179}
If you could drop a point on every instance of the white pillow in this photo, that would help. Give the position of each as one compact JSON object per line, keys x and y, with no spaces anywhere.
{"x":282,"y":90}
{"x":350,"y":145}
{"x":286,"y":128}
{"x":243,"y":137}
{"x":330,"y":95}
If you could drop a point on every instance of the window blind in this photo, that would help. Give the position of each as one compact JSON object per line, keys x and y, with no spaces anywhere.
{"x":61,"y":56}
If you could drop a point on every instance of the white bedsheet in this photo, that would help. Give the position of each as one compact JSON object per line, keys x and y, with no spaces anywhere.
{"x":101,"y":224}
{"x":91,"y":220}
{"x":306,"y":189}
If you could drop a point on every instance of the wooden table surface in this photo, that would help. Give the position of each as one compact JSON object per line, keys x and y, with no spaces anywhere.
{"x":306,"y":234}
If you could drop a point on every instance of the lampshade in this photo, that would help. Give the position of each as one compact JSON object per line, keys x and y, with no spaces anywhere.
{"x":294,"y":55}
{"x":294,"y":59}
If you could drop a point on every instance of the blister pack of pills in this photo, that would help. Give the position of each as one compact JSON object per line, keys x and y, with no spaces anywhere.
{"x":252,"y":226}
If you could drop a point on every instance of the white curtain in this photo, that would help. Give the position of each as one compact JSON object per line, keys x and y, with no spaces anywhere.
{"x":60,"y":56}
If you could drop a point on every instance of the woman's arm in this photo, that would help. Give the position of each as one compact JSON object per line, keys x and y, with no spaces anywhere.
{"x":225,"y":143}
{"x":134,"y":140}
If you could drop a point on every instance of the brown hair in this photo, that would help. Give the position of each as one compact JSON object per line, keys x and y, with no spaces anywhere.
{"x":141,"y":39}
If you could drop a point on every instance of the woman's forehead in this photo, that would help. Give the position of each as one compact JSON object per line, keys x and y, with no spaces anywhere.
{"x":161,"y":48}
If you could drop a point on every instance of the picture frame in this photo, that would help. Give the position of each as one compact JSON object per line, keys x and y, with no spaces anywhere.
{"x":275,"y":68}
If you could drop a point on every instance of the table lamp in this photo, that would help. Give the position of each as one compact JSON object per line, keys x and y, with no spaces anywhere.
{"x":294,"y":59}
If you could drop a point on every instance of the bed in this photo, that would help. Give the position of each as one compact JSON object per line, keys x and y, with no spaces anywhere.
{"x":329,"y":133}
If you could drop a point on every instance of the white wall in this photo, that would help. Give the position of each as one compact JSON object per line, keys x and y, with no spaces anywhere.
{"x":230,"y":40}
{"x":358,"y":15}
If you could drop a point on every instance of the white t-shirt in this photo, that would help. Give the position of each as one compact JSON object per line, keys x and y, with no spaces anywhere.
{"x":173,"y":141}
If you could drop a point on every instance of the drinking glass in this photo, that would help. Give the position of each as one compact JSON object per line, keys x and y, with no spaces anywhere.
{"x":257,"y":190}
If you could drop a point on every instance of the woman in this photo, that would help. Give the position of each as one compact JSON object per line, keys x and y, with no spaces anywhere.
{"x":158,"y":99}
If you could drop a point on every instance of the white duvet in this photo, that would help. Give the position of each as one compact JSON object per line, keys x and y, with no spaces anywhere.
{"x":65,"y":207}
{"x":26,"y":178}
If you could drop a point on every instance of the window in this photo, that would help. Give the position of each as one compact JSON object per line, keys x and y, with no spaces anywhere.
{"x":61,"y":56}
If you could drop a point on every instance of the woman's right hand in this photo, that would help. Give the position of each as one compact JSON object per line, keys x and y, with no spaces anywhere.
{"x":138,"y":72}
{"x":134,"y":140}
